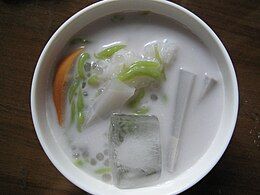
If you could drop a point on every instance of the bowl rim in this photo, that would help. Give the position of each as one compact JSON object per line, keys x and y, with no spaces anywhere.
{"x":232,"y":73}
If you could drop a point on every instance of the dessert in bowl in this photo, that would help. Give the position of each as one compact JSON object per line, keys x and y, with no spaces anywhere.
{"x":134,"y":97}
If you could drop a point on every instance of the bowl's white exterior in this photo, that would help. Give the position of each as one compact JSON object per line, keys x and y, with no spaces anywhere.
{"x":81,"y":19}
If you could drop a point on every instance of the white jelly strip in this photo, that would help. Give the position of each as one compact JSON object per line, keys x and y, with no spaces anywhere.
{"x":207,"y":83}
{"x":185,"y":85}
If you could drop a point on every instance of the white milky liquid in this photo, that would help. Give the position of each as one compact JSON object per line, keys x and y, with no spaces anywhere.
{"x":202,"y":118}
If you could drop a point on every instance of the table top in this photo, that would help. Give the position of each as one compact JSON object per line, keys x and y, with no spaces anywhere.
{"x":26,"y":26}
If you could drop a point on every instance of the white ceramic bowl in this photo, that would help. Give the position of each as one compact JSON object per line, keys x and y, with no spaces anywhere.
{"x":92,"y":13}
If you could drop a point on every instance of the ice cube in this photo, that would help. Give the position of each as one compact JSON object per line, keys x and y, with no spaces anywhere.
{"x":135,"y":150}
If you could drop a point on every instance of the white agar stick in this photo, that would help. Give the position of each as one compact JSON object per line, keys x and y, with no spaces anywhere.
{"x":185,"y":86}
{"x":206,"y":85}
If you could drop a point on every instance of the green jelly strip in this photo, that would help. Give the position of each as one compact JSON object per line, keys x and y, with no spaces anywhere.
{"x":103,"y":170}
{"x":79,"y":163}
{"x":72,"y":112}
{"x":157,"y":54}
{"x":109,"y":52}
{"x":141,"y":68}
{"x":72,"y":89}
{"x":135,"y":101}
{"x":93,"y":81}
{"x":82,"y":60}
{"x":80,"y":101}
{"x":80,"y":120}
{"x":142,"y":110}
{"x":158,"y":57}
{"x":163,"y":74}
{"x":149,"y":64}
{"x":80,"y":109}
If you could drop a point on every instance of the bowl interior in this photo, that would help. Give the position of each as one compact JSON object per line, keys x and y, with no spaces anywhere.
{"x":50,"y":55}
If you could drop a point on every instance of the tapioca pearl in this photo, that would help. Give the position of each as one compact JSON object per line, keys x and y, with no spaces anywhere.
{"x":93,"y":162}
{"x":154,"y":97}
{"x":88,"y":74}
{"x":100,"y":91}
{"x":93,"y":65}
{"x":83,"y":85}
{"x":106,"y":162}
{"x":99,"y":70}
{"x":87,"y":67}
{"x":76,"y":155}
{"x":85,"y":154}
{"x":100,"y":156}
